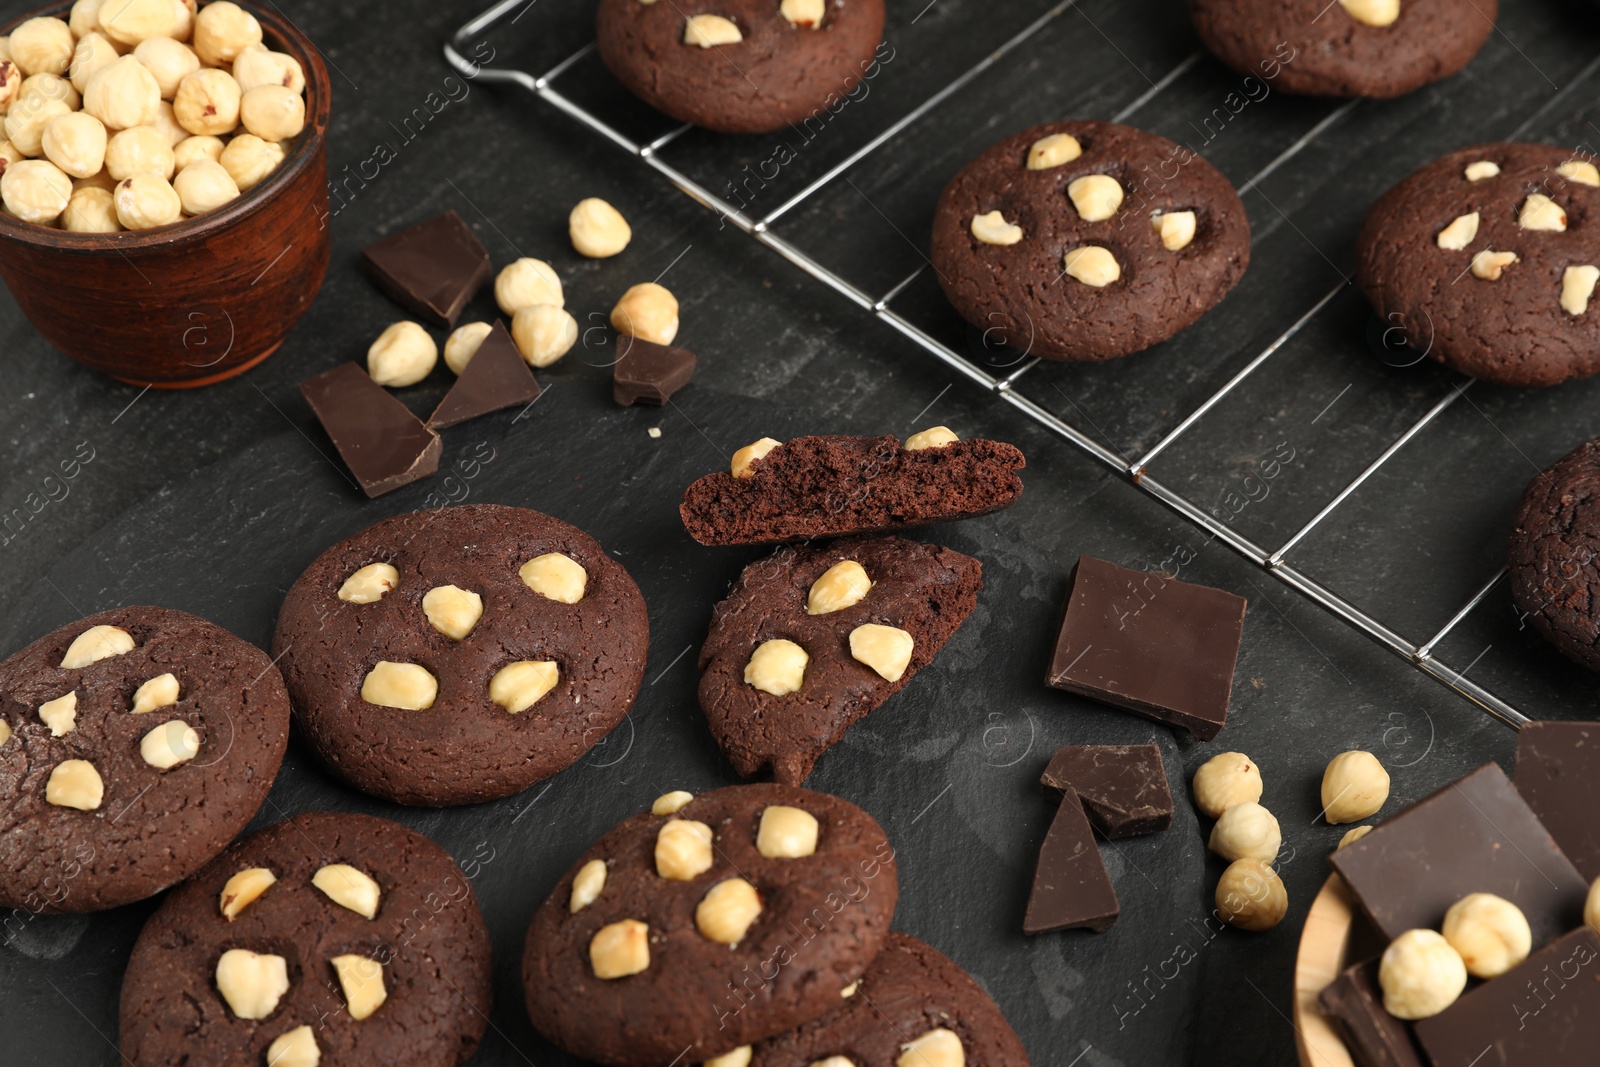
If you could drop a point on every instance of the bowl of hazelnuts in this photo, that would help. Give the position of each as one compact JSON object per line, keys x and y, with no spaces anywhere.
{"x":163,"y":179}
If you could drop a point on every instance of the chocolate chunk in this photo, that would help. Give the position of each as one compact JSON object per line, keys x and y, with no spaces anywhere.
{"x":1475,"y":835}
{"x":1154,"y":645}
{"x":433,"y":268}
{"x":384,"y":444}
{"x":1070,"y":886}
{"x":496,"y":377}
{"x":1544,"y":1012}
{"x":1373,"y":1037}
{"x":1123,"y":787}
{"x":1558,"y":774}
{"x":649,"y":373}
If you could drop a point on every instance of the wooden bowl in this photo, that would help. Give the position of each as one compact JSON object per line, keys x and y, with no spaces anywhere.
{"x":1324,"y":953}
{"x":200,"y":300}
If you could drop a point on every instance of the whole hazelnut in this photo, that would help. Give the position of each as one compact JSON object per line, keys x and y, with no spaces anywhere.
{"x":249,"y":160}
{"x":543,"y":333}
{"x":203,"y":186}
{"x":10,"y":84}
{"x":597,"y":229}
{"x":403,"y":354}
{"x":463,"y":343}
{"x":525,"y":283}
{"x":93,"y":54}
{"x":49,"y":87}
{"x":146,"y":201}
{"x":84,"y":18}
{"x":130,"y":21}
{"x":207,"y":102}
{"x":190,"y":149}
{"x":42,"y":44}
{"x":35,"y":190}
{"x":90,"y":210}
{"x":647,"y":311}
{"x":139,"y":150}
{"x":169,"y":61}
{"x":258,"y":65}
{"x":273,"y":112}
{"x":26,"y":122}
{"x":1489,"y":933}
{"x":76,"y":143}
{"x":1354,"y":786}
{"x":9,"y":155}
{"x":1421,"y":975}
{"x":124,"y":94}
{"x":1251,"y":896}
{"x":1225,"y":780}
{"x":223,"y":30}
{"x":167,"y":122}
{"x":1246,"y":831}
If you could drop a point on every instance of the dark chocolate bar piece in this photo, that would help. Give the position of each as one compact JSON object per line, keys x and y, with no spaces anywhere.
{"x":384,"y":445}
{"x":1544,"y":1012}
{"x":1070,"y":885}
{"x":1558,"y":774}
{"x":433,"y":268}
{"x":496,"y":377}
{"x":1123,"y":787}
{"x":1476,"y":835}
{"x":1373,"y":1037}
{"x":648,"y":373}
{"x":1151,"y":644}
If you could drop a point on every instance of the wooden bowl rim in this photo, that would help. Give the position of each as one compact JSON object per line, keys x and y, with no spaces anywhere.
{"x":283,"y":35}
{"x":1322,"y":954}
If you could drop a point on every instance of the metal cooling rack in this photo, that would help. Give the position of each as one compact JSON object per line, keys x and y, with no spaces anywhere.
{"x":1274,"y":561}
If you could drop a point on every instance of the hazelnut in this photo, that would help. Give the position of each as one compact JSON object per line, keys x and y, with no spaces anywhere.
{"x":1581,"y":171}
{"x":886,"y":649}
{"x":403,"y":354}
{"x":76,"y":143}
{"x":97,"y":642}
{"x":98,"y":180}
{"x":520,"y":685}
{"x":1246,"y":831}
{"x":743,"y":464}
{"x":621,"y":949}
{"x":146,"y":201}
{"x":204,"y":186}
{"x":361,"y":979}
{"x":806,"y":14}
{"x":463,"y":343}
{"x":936,"y":1048}
{"x":1225,"y":780}
{"x":167,"y":123}
{"x":587,"y":885}
{"x":1539,"y":212}
{"x":369,"y":584}
{"x":169,"y":744}
{"x":1591,"y":907}
{"x":43,"y":86}
{"x":349,"y":887}
{"x":1460,"y":233}
{"x":207,"y":102}
{"x":647,"y":311}
{"x":1372,"y":12}
{"x":1250,"y":896}
{"x":993,"y":229}
{"x":725,"y":913}
{"x":1483,"y":168}
{"x":1175,"y":228}
{"x":252,"y":982}
{"x":1352,"y":835}
{"x":1489,"y":933}
{"x":124,"y":94}
{"x":75,"y":784}
{"x":42,"y":44}
{"x":5,"y":731}
{"x":452,"y":611}
{"x":708,"y":31}
{"x":93,"y":54}
{"x":186,"y":11}
{"x":850,"y":990}
{"x":159,"y":692}
{"x":193,"y":149}
{"x":1092,"y":265}
{"x":256,"y":65}
{"x":683,"y":849}
{"x":10,"y":155}
{"x":138,"y":150}
{"x":739,"y":1057}
{"x":130,"y":21}
{"x":671,"y":803}
{"x":843,"y":585}
{"x":223,"y":30}
{"x":1577,"y":286}
{"x":525,"y":283}
{"x":243,"y":890}
{"x":1354,"y":786}
{"x":786,"y":833}
{"x":10,"y":84}
{"x":543,"y":333}
{"x":597,"y":229}
{"x":555,"y":576}
{"x":84,"y":18}
{"x":28,"y":119}
{"x":1096,"y":196}
{"x":249,"y":159}
{"x":60,"y":714}
{"x":90,"y":210}
{"x":1489,"y":265}
{"x":400,"y":685}
{"x":296,"y":1048}
{"x":777,"y":667}
{"x":169,"y":61}
{"x":933,"y":437}
{"x":273,"y":112}
{"x":1421,"y":975}
{"x":1053,"y":151}
{"x":833,"y":1061}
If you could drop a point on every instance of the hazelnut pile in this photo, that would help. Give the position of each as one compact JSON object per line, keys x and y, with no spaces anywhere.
{"x":134,"y":114}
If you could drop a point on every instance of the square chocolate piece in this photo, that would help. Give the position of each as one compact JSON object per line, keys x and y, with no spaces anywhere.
{"x":1373,"y":1036}
{"x":1070,"y":885}
{"x":1123,"y":787}
{"x":1476,"y":835}
{"x":1558,"y":774}
{"x":1153,"y":645}
{"x":496,"y":377}
{"x":647,"y":373}
{"x":384,"y":445}
{"x":433,"y":268}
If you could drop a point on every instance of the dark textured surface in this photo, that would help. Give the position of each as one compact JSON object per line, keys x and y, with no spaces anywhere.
{"x":427,"y":934}
{"x":1555,"y":576}
{"x":1123,"y":788}
{"x":1558,"y":774}
{"x":926,"y":590}
{"x":153,"y":828}
{"x":823,"y":919}
{"x":465,"y":748}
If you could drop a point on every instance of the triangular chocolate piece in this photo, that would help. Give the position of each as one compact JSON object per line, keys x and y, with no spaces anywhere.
{"x":433,"y":268}
{"x":496,"y":377}
{"x":649,"y":373}
{"x":1070,"y":886}
{"x":384,"y":445}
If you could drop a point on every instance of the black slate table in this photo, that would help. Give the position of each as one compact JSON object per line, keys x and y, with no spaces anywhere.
{"x":212,"y":501}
